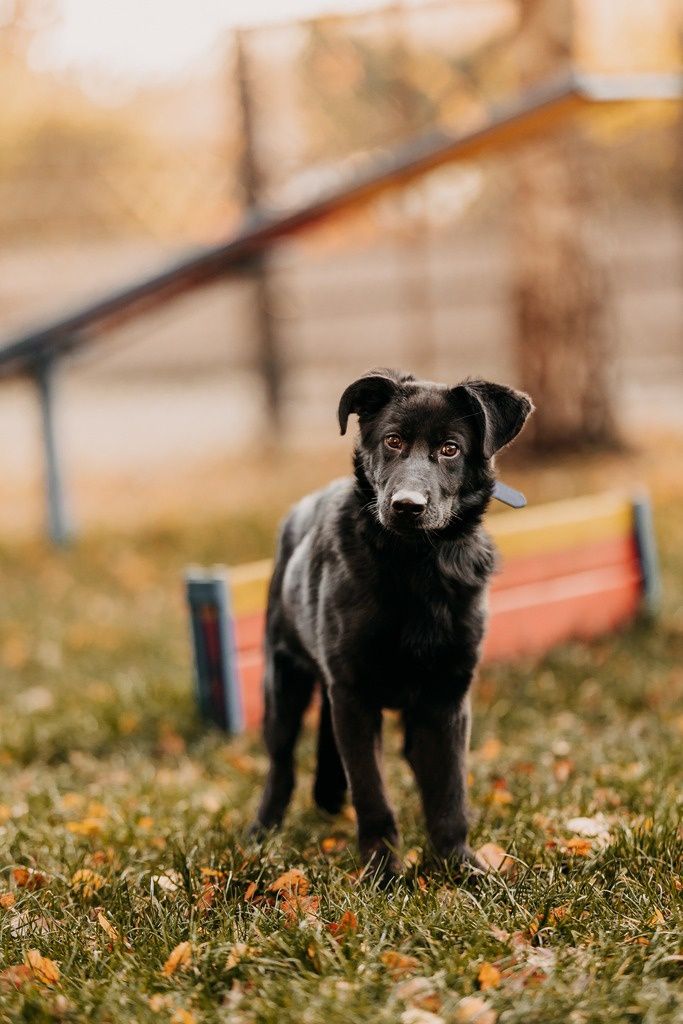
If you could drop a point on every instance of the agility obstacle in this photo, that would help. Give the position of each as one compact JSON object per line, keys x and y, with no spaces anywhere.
{"x":570,"y":570}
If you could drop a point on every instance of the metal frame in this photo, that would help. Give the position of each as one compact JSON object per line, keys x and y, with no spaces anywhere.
{"x":36,"y":352}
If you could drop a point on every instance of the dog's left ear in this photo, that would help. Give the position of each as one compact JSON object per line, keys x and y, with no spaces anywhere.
{"x":368,"y":395}
{"x":502,"y":412}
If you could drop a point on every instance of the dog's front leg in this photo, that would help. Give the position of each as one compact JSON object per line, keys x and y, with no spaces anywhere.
{"x":437,"y":740}
{"x":358,"y":730}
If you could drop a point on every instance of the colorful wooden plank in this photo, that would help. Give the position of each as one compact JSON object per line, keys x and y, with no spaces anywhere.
{"x":571,"y":570}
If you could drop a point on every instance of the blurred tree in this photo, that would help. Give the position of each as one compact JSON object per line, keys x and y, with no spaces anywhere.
{"x":561,"y":288}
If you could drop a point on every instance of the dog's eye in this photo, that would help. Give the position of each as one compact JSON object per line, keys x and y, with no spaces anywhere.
{"x":449,"y":450}
{"x":393,"y":441}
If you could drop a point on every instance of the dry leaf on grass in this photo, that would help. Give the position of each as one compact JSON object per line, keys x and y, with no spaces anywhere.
{"x":86,"y":882}
{"x":206,"y":897}
{"x":15,"y":976}
{"x":488,"y":976}
{"x":7,"y":900}
{"x":178,"y":959}
{"x":42,"y":968}
{"x":297,"y":908}
{"x":239,"y":952}
{"x":473,"y":1010}
{"x":168,"y":881}
{"x":182,"y":1016}
{"x":346,"y":924}
{"x":87,"y":827}
{"x":107,"y":927}
{"x":28,"y":878}
{"x":293,"y":881}
{"x":398,"y":963}
{"x":495,"y":858}
{"x":250,"y":892}
{"x":332,"y":844}
{"x":596,"y":827}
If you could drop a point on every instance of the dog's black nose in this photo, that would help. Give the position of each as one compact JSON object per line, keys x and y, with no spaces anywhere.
{"x":409,"y":503}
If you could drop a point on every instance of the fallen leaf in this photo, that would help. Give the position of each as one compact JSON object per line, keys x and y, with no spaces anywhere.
{"x":490,"y":749}
{"x":332,"y":844}
{"x":398,"y":963}
{"x":347,"y":924}
{"x":296,"y":908}
{"x":240,"y":951}
{"x":250,"y":892}
{"x":168,"y":881}
{"x":562,"y":769}
{"x":499,"y":933}
{"x":293,"y":881}
{"x":27,"y":878}
{"x":158,"y":1002}
{"x":181,"y":1016}
{"x":178,"y":959}
{"x":596,"y":827}
{"x":86,"y":882}
{"x":86,"y":827}
{"x":578,"y":847}
{"x":16,"y":976}
{"x":473,"y":1010}
{"x":657,"y":918}
{"x":495,"y":858}
{"x":42,"y":968}
{"x":488,"y":976}
{"x":7,"y":900}
{"x":206,"y":897}
{"x":412,"y":857}
{"x":107,"y":927}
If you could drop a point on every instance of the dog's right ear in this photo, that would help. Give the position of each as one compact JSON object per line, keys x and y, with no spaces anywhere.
{"x":367,"y":395}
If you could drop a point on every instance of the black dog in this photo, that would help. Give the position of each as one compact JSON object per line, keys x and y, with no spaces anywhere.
{"x":379,"y":592}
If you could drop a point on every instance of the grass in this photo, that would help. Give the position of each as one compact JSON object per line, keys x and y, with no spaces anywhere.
{"x":104,"y":768}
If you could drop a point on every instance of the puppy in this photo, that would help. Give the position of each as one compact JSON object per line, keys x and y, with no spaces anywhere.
{"x":379,"y":594}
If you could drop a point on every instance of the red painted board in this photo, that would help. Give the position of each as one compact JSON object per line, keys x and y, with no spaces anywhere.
{"x":533,"y":618}
{"x":526,"y":619}
{"x":557,"y":564}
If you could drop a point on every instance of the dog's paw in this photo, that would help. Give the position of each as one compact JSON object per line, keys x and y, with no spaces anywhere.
{"x":381,"y":863}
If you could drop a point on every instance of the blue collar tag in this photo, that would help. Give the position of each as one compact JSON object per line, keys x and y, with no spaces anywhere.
{"x":508,"y":495}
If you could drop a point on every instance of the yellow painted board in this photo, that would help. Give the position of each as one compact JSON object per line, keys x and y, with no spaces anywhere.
{"x":557,"y":526}
{"x":561,"y":525}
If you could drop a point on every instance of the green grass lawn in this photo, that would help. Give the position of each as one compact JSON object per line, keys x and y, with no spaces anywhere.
{"x":129,"y":816}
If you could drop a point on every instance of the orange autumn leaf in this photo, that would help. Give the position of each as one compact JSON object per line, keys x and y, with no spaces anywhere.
{"x":578,"y":847}
{"x":488,"y":977}
{"x":206,"y":897}
{"x":15,"y":976}
{"x":398,"y":963}
{"x":332,"y":844}
{"x":347,"y":924}
{"x":250,"y":892}
{"x":297,"y":907}
{"x":107,"y":927}
{"x":293,"y":881}
{"x":87,"y":827}
{"x":495,"y":858}
{"x":473,"y":1010}
{"x":181,"y":1016}
{"x":42,"y":968}
{"x":86,"y":882}
{"x":7,"y":900}
{"x":27,"y":878}
{"x":178,"y":959}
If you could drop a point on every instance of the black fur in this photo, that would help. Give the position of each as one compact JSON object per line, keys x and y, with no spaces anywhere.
{"x":379,"y":594}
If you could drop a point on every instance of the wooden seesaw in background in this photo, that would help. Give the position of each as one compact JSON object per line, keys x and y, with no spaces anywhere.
{"x":572,"y":569}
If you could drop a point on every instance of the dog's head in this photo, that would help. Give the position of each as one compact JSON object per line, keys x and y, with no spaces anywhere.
{"x":425,"y":449}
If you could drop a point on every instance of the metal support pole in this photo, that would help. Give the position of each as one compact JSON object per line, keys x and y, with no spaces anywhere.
{"x":269,"y":357}
{"x":58,"y":523}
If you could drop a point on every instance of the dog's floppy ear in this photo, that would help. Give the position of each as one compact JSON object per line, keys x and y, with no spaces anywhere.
{"x":501,"y":411}
{"x":368,"y":395}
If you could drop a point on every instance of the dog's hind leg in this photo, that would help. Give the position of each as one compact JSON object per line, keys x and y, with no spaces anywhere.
{"x":330,"y":785}
{"x":288,"y":693}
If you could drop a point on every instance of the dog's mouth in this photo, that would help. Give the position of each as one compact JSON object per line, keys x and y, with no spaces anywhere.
{"x":407,"y":524}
